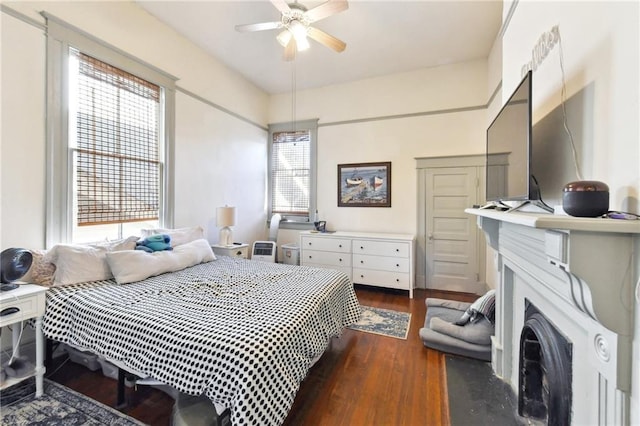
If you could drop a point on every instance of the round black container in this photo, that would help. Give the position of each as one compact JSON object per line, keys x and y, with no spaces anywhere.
{"x":586,"y":198}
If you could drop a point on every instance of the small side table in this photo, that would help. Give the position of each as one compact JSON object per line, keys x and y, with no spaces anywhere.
{"x":22,"y":304}
{"x":237,"y":250}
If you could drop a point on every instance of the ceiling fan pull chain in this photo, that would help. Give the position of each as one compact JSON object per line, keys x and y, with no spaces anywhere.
{"x":293,"y":94}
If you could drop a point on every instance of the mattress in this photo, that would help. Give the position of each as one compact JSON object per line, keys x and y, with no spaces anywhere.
{"x":244,"y":333}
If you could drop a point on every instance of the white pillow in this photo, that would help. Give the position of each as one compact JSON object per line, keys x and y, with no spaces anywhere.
{"x":135,"y":265}
{"x":116,"y":245}
{"x":178,"y":236}
{"x":77,"y":263}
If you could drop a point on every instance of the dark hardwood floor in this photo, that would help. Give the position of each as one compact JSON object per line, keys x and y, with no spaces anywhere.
{"x":362,"y":378}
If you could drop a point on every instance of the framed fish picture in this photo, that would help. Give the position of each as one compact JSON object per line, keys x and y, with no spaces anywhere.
{"x":364,"y":185}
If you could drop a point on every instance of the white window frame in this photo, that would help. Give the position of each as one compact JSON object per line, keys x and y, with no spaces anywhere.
{"x":59,"y":202}
{"x":296,"y":222}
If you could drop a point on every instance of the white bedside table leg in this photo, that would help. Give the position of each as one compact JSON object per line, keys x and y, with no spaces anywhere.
{"x":39,"y":358}
{"x":15,"y":337}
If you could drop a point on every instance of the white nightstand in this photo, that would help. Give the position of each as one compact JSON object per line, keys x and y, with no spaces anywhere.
{"x":21,"y":304}
{"x":237,"y":250}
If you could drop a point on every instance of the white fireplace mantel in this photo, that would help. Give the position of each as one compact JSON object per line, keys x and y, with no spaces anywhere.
{"x":578,"y":271}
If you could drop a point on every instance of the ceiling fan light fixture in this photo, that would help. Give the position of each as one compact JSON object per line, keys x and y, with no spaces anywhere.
{"x":284,"y":38}
{"x":295,"y":25}
{"x":302,"y":43}
{"x":299,"y":31}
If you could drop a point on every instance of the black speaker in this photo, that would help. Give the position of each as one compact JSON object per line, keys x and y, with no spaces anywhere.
{"x":585,"y":198}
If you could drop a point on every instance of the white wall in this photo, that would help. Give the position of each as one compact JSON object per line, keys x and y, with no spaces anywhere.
{"x":221,"y":162}
{"x":428,"y":89}
{"x":393,"y":118}
{"x":600,"y":47}
{"x":601,"y":56}
{"x":125,"y":25}
{"x":22,"y":133}
{"x":213,"y":148}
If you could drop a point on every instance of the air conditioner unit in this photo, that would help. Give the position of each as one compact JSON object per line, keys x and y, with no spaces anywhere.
{"x":264,"y":250}
{"x":267,"y":251}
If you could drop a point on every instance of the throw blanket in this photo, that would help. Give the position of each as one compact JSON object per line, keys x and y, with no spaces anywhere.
{"x":243,"y":332}
{"x":484,"y":306}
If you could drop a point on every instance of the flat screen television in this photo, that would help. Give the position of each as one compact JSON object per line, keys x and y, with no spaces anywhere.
{"x":509,"y":182}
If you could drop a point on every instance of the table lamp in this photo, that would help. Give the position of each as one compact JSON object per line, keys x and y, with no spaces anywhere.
{"x":226,"y":217}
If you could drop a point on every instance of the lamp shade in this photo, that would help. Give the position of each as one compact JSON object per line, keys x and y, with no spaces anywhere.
{"x":226,"y":216}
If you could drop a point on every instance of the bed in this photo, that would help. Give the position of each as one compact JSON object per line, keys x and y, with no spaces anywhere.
{"x":243,"y":333}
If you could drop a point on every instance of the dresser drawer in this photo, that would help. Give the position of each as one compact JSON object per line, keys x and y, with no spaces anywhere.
{"x":326,"y":244}
{"x":345,"y":269}
{"x":381,"y":278}
{"x":326,"y":258}
{"x":393,"y":264}
{"x":28,"y":307}
{"x":381,"y":248}
{"x":241,"y":251}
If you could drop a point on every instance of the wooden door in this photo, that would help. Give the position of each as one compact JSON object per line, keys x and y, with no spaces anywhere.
{"x":452,"y":261}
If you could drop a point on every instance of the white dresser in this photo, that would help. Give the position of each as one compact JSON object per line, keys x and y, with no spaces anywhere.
{"x":377,"y":259}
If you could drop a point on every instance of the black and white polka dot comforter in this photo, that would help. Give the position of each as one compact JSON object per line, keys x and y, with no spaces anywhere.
{"x":245,"y":333}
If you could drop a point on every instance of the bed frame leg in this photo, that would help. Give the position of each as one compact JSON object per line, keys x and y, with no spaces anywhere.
{"x":120,"y":399}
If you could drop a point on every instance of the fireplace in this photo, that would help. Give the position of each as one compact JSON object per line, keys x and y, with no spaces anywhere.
{"x":564,"y":315}
{"x":544,"y":386}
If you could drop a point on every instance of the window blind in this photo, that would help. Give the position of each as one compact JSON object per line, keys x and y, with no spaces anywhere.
{"x":290,"y":172}
{"x":117,"y":158}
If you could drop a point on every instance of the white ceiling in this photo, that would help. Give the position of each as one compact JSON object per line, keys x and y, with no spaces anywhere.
{"x":383,"y":37}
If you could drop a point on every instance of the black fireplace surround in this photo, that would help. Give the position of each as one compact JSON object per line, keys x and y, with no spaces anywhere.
{"x":545,"y":373}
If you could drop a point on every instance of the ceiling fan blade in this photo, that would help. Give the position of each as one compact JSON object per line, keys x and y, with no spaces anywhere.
{"x":258,"y":27}
{"x":281,"y":5}
{"x":326,"y":39}
{"x":329,"y":8}
{"x":290,"y":50}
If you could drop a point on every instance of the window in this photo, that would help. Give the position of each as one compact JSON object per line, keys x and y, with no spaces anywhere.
{"x":114,"y":141}
{"x":292,"y":166}
{"x":109,"y":156}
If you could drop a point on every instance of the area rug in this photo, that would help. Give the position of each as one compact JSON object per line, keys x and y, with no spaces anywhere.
{"x":385,"y":322}
{"x":476,"y":396}
{"x":57,"y":406}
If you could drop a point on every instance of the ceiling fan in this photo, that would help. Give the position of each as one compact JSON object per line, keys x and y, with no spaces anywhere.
{"x":296,"y":23}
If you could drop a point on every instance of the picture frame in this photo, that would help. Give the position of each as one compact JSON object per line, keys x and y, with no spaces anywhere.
{"x":364,"y":184}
